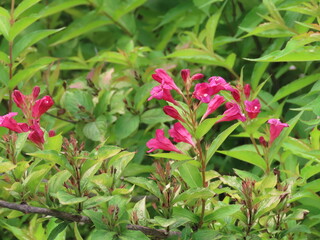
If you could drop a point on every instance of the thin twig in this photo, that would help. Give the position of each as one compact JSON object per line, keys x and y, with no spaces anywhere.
{"x":60,"y":118}
{"x":25,"y":208}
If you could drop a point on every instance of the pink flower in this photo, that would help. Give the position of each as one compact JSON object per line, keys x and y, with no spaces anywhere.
{"x":165,"y":80}
{"x":180,"y":134}
{"x":214,"y":103}
{"x":172,"y":112}
{"x":8,"y":122}
{"x":36,"y":135}
{"x":233,"y":112}
{"x":218,"y":84}
{"x":41,"y":106}
{"x":161,"y":142}
{"x":247,"y":90}
{"x":203,"y":92}
{"x":158,"y":92}
{"x":252,"y":108}
{"x":275,"y":128}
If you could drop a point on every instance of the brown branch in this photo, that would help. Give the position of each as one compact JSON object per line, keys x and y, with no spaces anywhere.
{"x":25,"y":208}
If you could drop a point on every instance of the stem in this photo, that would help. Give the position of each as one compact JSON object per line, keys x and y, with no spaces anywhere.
{"x":255,"y":145}
{"x":10,"y":55}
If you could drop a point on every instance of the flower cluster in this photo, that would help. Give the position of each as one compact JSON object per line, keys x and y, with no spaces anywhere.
{"x":243,"y":107}
{"x":32,"y":110}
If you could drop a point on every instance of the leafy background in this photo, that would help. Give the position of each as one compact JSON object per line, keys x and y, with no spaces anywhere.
{"x":96,"y":57}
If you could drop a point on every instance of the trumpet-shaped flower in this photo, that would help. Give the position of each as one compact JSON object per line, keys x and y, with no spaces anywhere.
{"x":7,"y":121}
{"x":158,"y":92}
{"x":214,"y":103}
{"x":252,"y":108}
{"x":203,"y":92}
{"x":36,"y":134}
{"x":165,"y":80}
{"x":276,"y":127}
{"x":172,"y":112}
{"x":161,"y":142}
{"x":180,"y":134}
{"x":41,"y":106}
{"x":218,"y":83}
{"x":233,"y":112}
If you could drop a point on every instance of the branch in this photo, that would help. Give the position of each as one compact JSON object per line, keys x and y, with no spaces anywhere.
{"x":25,"y":208}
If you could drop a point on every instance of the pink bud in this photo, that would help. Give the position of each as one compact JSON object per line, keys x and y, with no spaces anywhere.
{"x":51,"y":133}
{"x":197,"y":76}
{"x":35,"y":92}
{"x":185,"y":74}
{"x":236,"y":95}
{"x":262,"y":141}
{"x":214,"y":103}
{"x":19,"y":99}
{"x":172,"y":112}
{"x":247,"y":90}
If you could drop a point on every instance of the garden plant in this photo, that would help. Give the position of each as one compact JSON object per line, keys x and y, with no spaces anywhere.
{"x":155,"y":119}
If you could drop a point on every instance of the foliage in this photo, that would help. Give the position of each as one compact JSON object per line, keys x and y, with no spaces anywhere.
{"x":96,"y":60}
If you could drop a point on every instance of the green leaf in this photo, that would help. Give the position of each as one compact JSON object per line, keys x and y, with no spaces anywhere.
{"x":22,"y":138}
{"x":56,"y":182}
{"x":146,"y":184}
{"x":68,"y":199}
{"x":95,"y":130}
{"x":20,"y":25}
{"x":173,"y":156}
{"x":295,"y":86}
{"x":154,"y":116}
{"x":59,"y":6}
{"x":104,"y":152}
{"x":5,"y":167}
{"x":222,"y":212}
{"x":23,"y":6}
{"x":54,"y":143}
{"x":34,"y":179}
{"x":191,"y":175}
{"x":247,"y":156}
{"x":88,"y":175}
{"x":95,"y":217}
{"x":57,"y":230}
{"x":126,"y":125}
{"x":193,"y":194}
{"x":179,"y":212}
{"x":112,"y":57}
{"x":4,"y":26}
{"x":79,"y":27}
{"x":120,"y":161}
{"x":211,"y":27}
{"x":205,"y":126}
{"x":19,"y":233}
{"x":204,"y":5}
{"x":30,"y":39}
{"x":27,"y":73}
{"x":96,"y":200}
{"x":101,"y":234}
{"x":219,"y":140}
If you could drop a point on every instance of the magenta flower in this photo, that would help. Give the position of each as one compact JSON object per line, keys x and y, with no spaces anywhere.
{"x":180,"y":134}
{"x":218,"y":84}
{"x":19,"y":99}
{"x":36,"y":135}
{"x":233,"y":112}
{"x":172,"y":112}
{"x":158,"y":92}
{"x":275,"y":128}
{"x":7,"y":121}
{"x":165,"y":80}
{"x":252,"y":108}
{"x":197,"y":76}
{"x":41,"y":106}
{"x":203,"y":92}
{"x":214,"y":103}
{"x":247,"y":90}
{"x":51,"y":133}
{"x":161,"y":142}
